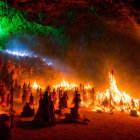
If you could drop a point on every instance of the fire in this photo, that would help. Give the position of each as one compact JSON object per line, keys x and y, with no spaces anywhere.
{"x":111,"y":100}
{"x":88,"y":86}
{"x":1,"y":112}
{"x":65,"y":85}
{"x":35,"y":86}
{"x":114,"y":99}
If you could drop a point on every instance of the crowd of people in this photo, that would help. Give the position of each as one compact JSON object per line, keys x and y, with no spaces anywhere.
{"x":11,"y":72}
{"x":13,"y":86}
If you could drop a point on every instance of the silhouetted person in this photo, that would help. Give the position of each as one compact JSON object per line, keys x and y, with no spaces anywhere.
{"x":74,"y":111}
{"x":65,"y":99}
{"x":52,"y":111}
{"x":54,"y":96}
{"x":31,"y":100}
{"x":27,"y":111}
{"x":43,"y":114}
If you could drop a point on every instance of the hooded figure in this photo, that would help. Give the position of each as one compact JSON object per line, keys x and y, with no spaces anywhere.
{"x":43,"y":114}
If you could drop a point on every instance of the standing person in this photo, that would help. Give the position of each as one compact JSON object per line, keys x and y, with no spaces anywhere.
{"x":52,"y":111}
{"x":74,"y":111}
{"x":31,"y":100}
{"x":65,"y":99}
{"x":54,"y":96}
{"x":25,"y":93}
{"x":43,"y":114}
{"x":29,"y":88}
{"x":19,"y":91}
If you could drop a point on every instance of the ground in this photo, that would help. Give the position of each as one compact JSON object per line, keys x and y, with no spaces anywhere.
{"x":102,"y":126}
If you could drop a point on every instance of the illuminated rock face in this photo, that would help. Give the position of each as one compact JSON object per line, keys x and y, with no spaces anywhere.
{"x":54,"y":8}
{"x":14,"y":22}
{"x":74,"y":12}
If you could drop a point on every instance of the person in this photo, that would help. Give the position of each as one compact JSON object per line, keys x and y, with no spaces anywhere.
{"x":29,"y":88}
{"x":31,"y":100}
{"x":77,"y":100}
{"x":24,"y":96}
{"x":65,"y":99}
{"x":54,"y":95}
{"x":40,"y":98}
{"x":48,"y":88}
{"x":24,"y":86}
{"x":52,"y":111}
{"x":43,"y":113}
{"x":74,"y":110}
{"x":60,"y":94}
{"x":27,"y":111}
{"x":25,"y":93}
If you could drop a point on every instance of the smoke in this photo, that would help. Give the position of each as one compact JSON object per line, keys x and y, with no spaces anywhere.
{"x":30,"y":46}
{"x":90,"y":54}
{"x":21,"y":44}
{"x":94,"y":52}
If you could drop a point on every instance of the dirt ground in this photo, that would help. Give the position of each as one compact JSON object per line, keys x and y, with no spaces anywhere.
{"x":102,"y":126}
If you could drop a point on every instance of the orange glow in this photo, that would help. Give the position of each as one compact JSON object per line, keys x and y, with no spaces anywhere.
{"x":88,"y":86}
{"x":65,"y":85}
{"x":1,"y":112}
{"x":113,"y":99}
{"x":35,"y":86}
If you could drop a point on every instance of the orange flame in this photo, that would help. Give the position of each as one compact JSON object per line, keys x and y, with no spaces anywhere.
{"x":115,"y":99}
{"x":66,"y":85}
{"x":35,"y":86}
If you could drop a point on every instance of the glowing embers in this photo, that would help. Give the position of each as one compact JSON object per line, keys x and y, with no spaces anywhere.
{"x":113,"y":99}
{"x":21,"y":54}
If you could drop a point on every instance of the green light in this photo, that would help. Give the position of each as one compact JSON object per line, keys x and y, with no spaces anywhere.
{"x":40,"y":15}
{"x":71,"y":14}
{"x":92,"y":9}
{"x":13,"y":22}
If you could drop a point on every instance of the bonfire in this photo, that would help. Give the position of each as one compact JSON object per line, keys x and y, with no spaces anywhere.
{"x":114,"y":99}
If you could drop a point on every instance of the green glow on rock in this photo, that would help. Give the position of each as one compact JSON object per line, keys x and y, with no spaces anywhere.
{"x":14,"y":22}
{"x":71,"y":14}
{"x":92,"y":9}
{"x":40,"y":15}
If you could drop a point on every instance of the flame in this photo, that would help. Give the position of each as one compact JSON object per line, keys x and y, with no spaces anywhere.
{"x":65,"y":85}
{"x":35,"y":86}
{"x":88,"y":86}
{"x":113,"y":98}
